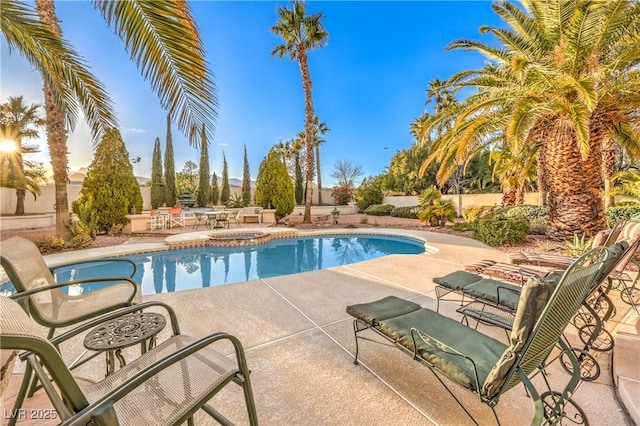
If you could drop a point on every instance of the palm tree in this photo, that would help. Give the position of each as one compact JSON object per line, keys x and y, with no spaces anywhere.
{"x":300,"y":33}
{"x":20,"y":122}
{"x":555,"y":83}
{"x":163,"y":39}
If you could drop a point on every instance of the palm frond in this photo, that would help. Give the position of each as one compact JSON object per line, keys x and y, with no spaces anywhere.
{"x":71,"y":82}
{"x":154,"y":34}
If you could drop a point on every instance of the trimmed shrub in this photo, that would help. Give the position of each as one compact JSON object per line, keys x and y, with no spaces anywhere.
{"x":80,"y":241}
{"x":474,"y":213}
{"x":379,"y":210}
{"x":497,"y":230}
{"x":539,"y":225}
{"x":406,"y":212}
{"x":528,"y":212}
{"x":616,"y":213}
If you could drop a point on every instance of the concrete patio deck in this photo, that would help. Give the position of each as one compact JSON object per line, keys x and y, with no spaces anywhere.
{"x":299,"y":343}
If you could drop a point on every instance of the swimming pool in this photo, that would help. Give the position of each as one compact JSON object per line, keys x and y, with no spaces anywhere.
{"x":183,"y":269}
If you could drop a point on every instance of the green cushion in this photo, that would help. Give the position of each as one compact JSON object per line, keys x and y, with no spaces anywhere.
{"x":534,"y":297}
{"x":484,"y":350}
{"x":496,"y":291}
{"x":388,"y":307}
{"x":458,"y":280}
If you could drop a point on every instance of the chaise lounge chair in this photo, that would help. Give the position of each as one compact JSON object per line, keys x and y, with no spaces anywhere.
{"x":165,"y":386}
{"x":493,"y":302}
{"x":480,"y":364}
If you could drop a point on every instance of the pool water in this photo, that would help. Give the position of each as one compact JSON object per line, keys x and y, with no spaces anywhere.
{"x":192,"y":268}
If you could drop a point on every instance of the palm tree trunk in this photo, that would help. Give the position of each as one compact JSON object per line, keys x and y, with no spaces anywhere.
{"x":56,"y":133}
{"x":20,"y":193}
{"x":575,"y":202}
{"x":608,"y":166}
{"x":508,"y":196}
{"x":318,"y":174}
{"x":308,"y":129}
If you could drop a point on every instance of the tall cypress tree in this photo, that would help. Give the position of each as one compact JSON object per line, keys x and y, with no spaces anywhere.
{"x":204,"y":187}
{"x":215,"y":191}
{"x":110,"y":188}
{"x":225,"y":192}
{"x":299,"y":191}
{"x":169,"y":169}
{"x":157,"y":178}
{"x":246,"y":181}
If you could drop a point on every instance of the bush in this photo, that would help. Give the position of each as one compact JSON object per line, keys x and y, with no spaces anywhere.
{"x":539,"y":225}
{"x":273,"y":186}
{"x":379,"y":210}
{"x":364,"y":220}
{"x":81,"y":241}
{"x":406,"y":212}
{"x":472,"y":214}
{"x":497,"y":230}
{"x":461,"y":226}
{"x":528,"y":212}
{"x":342,"y":194}
{"x":616,"y":213}
{"x":435,"y":210}
{"x":368,"y":194}
{"x":49,"y":244}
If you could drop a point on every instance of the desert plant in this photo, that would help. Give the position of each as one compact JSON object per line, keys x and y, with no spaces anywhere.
{"x":497,"y":230}
{"x":235,"y":201}
{"x":364,"y":220}
{"x":49,"y":244}
{"x":435,"y":210}
{"x":546,"y":245}
{"x":578,"y":246}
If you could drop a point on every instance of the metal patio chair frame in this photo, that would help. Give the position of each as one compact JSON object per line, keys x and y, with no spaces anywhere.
{"x":527,"y":357}
{"x":195,"y":371}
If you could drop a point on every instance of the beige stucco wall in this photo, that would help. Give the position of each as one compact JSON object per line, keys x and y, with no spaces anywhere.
{"x":465,"y":200}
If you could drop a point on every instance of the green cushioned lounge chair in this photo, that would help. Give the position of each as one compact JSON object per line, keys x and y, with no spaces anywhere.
{"x":481,"y":364}
{"x":165,"y":386}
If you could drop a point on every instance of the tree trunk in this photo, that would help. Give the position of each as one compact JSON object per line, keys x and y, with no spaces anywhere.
{"x":56,"y":133}
{"x":575,"y":202}
{"x":20,"y":193}
{"x":608,"y":166}
{"x":308,"y":129}
{"x":508,"y":197}
{"x":318,"y":173}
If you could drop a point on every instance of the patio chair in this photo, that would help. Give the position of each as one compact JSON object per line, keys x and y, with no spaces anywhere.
{"x":222,"y":220}
{"x":201,"y":217}
{"x":494,"y":303}
{"x":480,"y":364}
{"x":165,"y":386}
{"x":236,"y":218}
{"x":156,"y":220}
{"x":52,"y":308}
{"x":176,"y":216}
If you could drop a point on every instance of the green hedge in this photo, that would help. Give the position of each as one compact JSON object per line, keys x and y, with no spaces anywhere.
{"x":498,"y":230}
{"x":527,"y":212}
{"x":616,"y":213}
{"x":472,"y":214}
{"x":379,"y":210}
{"x":406,"y":212}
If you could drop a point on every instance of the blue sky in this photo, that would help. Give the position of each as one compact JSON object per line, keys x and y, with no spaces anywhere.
{"x":369,"y":80}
